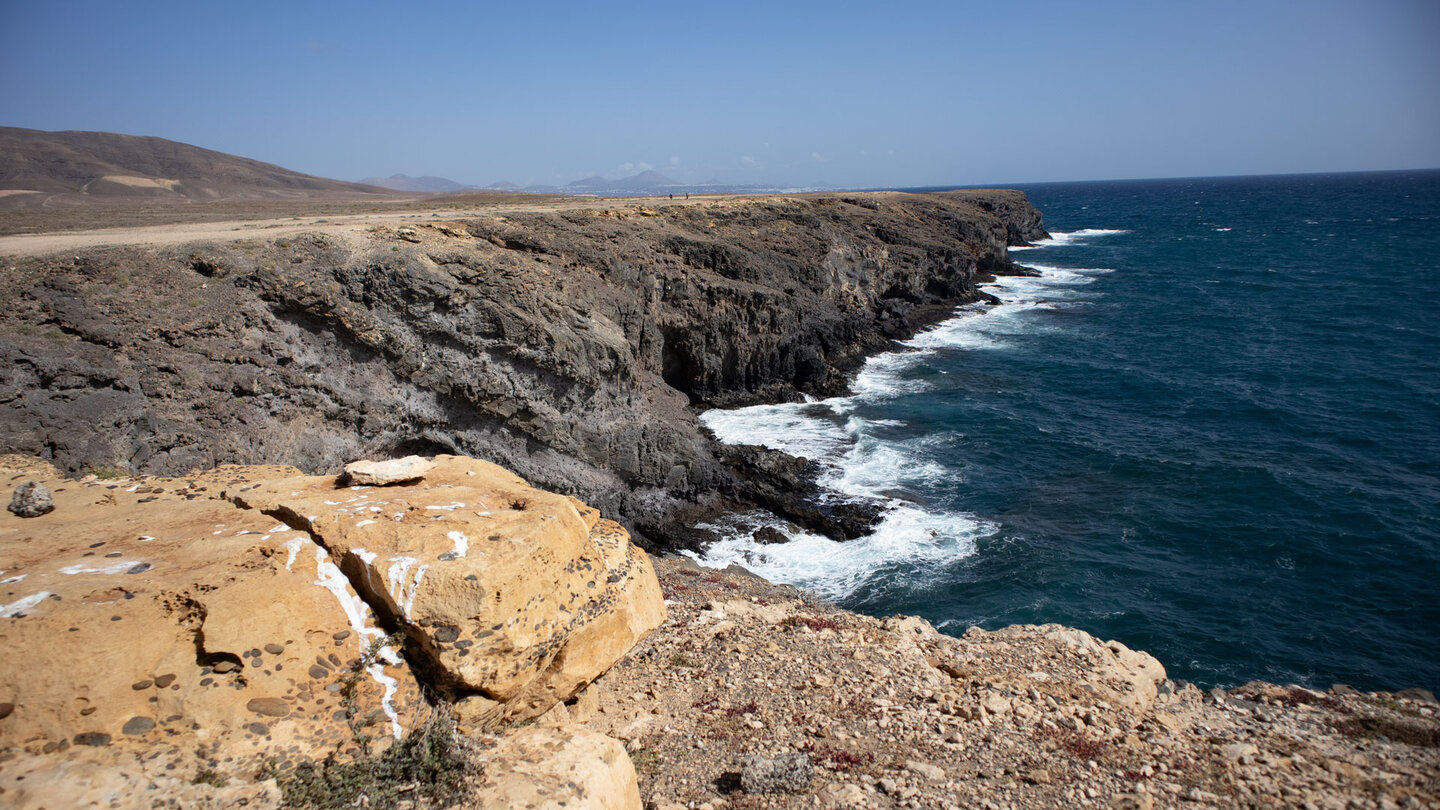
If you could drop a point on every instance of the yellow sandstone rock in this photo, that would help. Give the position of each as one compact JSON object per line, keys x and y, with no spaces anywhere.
{"x":243,"y":615}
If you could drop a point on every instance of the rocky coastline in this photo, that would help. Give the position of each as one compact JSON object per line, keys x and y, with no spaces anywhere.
{"x":439,"y":634}
{"x":189,"y":634}
{"x":573,"y":346}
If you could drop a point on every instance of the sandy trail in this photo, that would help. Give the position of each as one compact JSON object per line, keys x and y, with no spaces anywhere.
{"x":44,"y":244}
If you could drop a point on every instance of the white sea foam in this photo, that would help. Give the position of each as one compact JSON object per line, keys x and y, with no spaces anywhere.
{"x":1069,"y":238}
{"x":795,"y":428}
{"x":909,"y":539}
{"x":881,"y":377}
{"x":858,"y":463}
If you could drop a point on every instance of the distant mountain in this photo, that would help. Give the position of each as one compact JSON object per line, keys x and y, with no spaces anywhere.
{"x":593,"y":181}
{"x":503,"y":185}
{"x":645,"y":179}
{"x":427,"y":184}
{"x":72,"y":168}
{"x":650,"y":182}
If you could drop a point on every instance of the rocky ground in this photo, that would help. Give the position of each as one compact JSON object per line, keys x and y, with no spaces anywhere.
{"x":188,"y":643}
{"x":892,"y":714}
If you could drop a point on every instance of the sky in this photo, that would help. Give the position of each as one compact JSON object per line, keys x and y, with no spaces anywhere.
{"x":793,"y":94}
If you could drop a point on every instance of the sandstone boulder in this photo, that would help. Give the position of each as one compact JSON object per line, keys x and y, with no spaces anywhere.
{"x":504,"y":591}
{"x":246,"y":615}
{"x":393,"y":471}
{"x":547,"y":768}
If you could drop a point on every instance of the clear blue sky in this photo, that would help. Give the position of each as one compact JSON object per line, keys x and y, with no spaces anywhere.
{"x":798,"y":93}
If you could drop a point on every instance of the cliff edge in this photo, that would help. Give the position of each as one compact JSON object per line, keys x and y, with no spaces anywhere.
{"x":570,"y":345}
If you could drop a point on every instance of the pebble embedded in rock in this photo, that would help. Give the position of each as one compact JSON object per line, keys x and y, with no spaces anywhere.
{"x":92,"y":738}
{"x":274,"y":649}
{"x":139,"y":686}
{"x":136,"y":726}
{"x":6,"y":709}
{"x":269,"y":707}
{"x":164,"y":680}
{"x":226,"y":666}
{"x":447,"y":634}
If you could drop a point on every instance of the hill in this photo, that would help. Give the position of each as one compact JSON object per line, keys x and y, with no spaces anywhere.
{"x":77,"y":168}
{"x":649,"y":181}
{"x":428,"y":184}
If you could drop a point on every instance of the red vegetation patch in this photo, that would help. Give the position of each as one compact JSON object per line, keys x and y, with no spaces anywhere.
{"x":837,"y":759}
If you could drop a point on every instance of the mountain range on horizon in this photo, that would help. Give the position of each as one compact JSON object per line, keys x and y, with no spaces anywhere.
{"x":69,"y":168}
{"x":649,"y":180}
{"x":428,"y":184}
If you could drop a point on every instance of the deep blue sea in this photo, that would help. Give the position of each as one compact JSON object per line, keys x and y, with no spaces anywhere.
{"x":1210,"y":429}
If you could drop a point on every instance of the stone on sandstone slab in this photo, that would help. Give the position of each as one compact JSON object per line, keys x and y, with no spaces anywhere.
{"x":383,"y":473}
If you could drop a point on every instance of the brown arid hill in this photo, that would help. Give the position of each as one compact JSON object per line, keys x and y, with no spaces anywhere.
{"x":40,"y":168}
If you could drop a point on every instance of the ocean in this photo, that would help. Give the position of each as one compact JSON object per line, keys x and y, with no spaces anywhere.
{"x":1209,"y":429}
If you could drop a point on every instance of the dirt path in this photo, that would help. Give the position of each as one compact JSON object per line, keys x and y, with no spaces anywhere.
{"x":43,"y":244}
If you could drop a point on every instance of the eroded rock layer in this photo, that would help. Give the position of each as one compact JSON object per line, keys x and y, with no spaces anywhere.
{"x":253,"y":614}
{"x":566,"y":345}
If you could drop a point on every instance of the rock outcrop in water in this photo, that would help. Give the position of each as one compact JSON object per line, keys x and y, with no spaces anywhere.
{"x":254,"y":617}
{"x":569,"y":345}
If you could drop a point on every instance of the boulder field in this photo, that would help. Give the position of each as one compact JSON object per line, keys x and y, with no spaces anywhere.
{"x":571,"y":346}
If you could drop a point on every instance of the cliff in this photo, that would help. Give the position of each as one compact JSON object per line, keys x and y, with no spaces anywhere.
{"x":569,"y":344}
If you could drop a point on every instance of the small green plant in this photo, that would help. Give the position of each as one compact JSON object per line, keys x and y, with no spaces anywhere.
{"x":1371,"y":728}
{"x":350,"y":682}
{"x":837,"y":759}
{"x":104,"y":472}
{"x":646,"y":760}
{"x":813,"y":622}
{"x":681,"y":660}
{"x":206,"y":776}
{"x":426,"y":765}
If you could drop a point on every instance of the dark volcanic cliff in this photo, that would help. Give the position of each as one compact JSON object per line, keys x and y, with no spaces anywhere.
{"x":568,"y":346}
